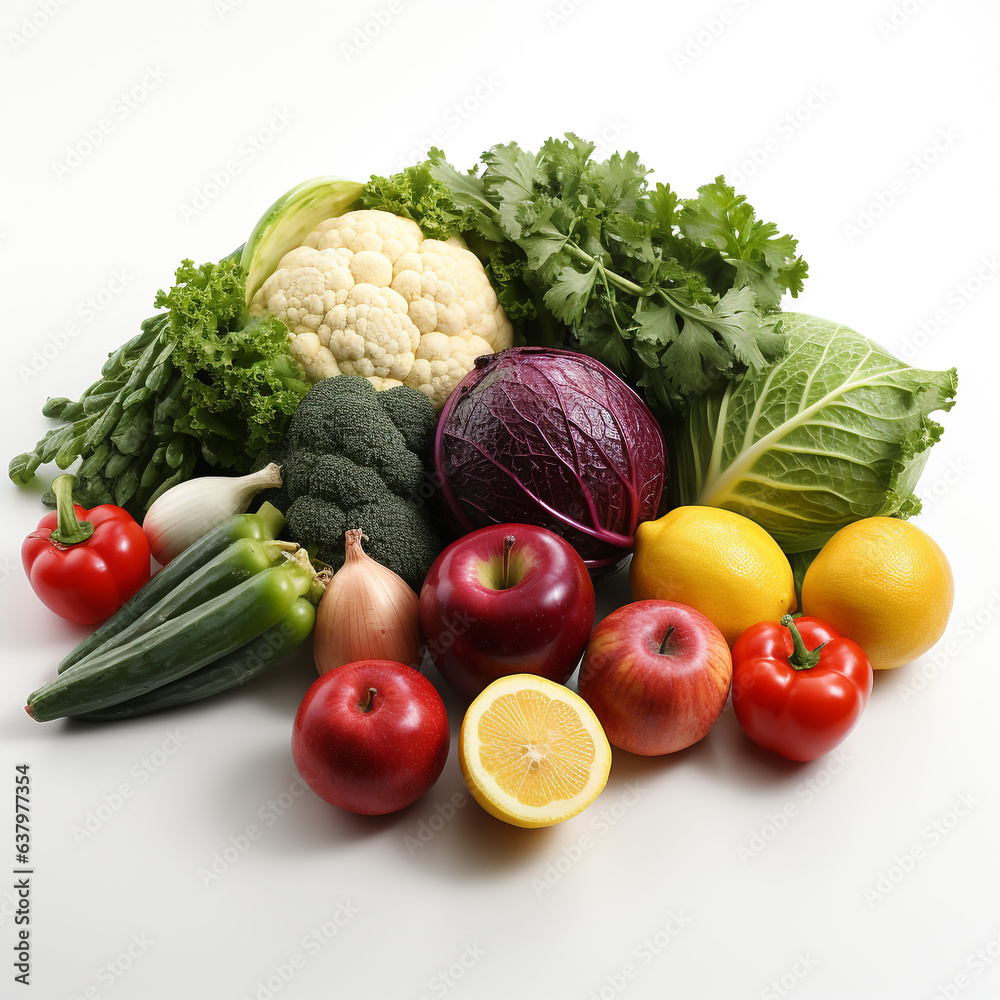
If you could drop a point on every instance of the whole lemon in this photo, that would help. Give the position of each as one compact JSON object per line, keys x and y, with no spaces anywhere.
{"x":885,"y":584}
{"x":717,"y":562}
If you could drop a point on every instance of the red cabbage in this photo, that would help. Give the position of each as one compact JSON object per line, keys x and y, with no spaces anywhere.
{"x":553,"y":438}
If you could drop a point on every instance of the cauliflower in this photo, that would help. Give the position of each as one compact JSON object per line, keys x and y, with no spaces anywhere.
{"x":367,"y":295}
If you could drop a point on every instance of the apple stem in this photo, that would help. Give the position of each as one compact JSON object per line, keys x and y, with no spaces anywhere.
{"x":666,"y":639}
{"x":508,"y":544}
{"x":368,"y":703}
{"x":802,"y":658}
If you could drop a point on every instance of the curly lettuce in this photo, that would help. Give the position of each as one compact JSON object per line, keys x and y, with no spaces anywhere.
{"x":239,"y":382}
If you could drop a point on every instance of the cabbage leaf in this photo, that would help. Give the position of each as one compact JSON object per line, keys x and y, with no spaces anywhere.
{"x":835,"y":431}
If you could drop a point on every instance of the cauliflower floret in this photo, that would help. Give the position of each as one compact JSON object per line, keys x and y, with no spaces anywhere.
{"x":367,"y":295}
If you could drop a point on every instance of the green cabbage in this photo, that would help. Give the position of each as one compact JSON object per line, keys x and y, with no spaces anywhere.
{"x":835,"y":431}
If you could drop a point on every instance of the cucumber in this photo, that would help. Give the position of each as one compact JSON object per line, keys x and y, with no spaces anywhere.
{"x":265,"y":524}
{"x":177,"y":647}
{"x":229,"y":671}
{"x":241,"y":560}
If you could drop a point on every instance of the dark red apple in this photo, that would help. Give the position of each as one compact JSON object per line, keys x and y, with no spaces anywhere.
{"x":657,"y":675}
{"x":371,"y":737}
{"x":506,"y":599}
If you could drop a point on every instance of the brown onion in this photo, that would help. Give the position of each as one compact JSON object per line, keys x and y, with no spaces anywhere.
{"x":367,"y":612}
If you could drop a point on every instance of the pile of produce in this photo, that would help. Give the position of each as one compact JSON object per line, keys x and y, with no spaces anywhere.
{"x":201,"y":384}
{"x":459,"y":399}
{"x":230,"y":605}
{"x":213,"y":380}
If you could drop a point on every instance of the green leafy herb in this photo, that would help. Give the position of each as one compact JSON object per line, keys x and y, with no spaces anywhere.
{"x":759,"y":256}
{"x":672,"y":294}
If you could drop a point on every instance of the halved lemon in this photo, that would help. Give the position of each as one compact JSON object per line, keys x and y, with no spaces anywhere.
{"x":532,"y":752}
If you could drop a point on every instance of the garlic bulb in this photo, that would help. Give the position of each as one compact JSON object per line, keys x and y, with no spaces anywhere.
{"x":189,"y":510}
{"x":367,"y":612}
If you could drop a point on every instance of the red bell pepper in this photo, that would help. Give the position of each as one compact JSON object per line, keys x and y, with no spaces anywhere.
{"x":799,"y":686}
{"x":85,"y":564}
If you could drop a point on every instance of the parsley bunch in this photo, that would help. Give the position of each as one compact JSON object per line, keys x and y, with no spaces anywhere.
{"x":672,"y":294}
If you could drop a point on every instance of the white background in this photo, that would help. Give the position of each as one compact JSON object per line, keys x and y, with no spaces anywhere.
{"x":820,"y":112}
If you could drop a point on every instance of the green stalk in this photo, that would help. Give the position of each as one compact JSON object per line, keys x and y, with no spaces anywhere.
{"x":802,"y":658}
{"x":70,"y":530}
{"x":611,"y":276}
{"x":623,"y":284}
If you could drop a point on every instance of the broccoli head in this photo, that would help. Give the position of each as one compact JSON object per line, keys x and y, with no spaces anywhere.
{"x":354,"y":457}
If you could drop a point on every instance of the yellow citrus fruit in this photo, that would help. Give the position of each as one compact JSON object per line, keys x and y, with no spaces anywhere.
{"x":885,"y":584}
{"x":532,"y":752}
{"x":717,"y":562}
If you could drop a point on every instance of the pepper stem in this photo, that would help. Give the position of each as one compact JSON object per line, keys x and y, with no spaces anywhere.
{"x":70,"y":530}
{"x":508,"y":545}
{"x":802,"y":658}
{"x":275,"y":546}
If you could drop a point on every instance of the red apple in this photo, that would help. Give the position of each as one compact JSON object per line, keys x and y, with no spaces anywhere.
{"x":506,"y":599}
{"x":657,"y":676}
{"x":371,"y":737}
